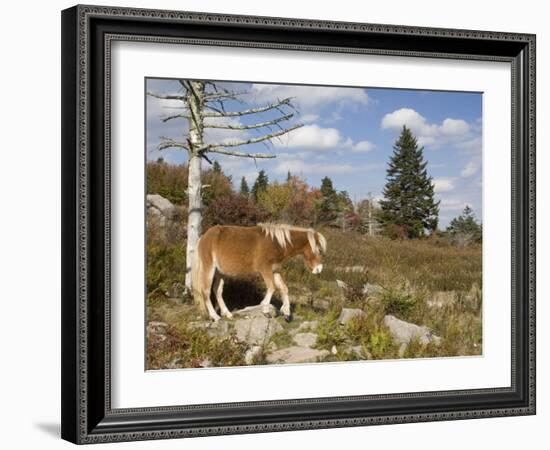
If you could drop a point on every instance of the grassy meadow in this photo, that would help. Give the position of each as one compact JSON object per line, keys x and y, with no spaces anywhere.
{"x":427,"y":282}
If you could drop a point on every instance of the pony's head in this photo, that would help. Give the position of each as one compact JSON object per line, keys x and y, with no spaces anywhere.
{"x":313,"y":253}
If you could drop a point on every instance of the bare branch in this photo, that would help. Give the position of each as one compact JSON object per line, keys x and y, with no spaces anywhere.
{"x":242,"y":155}
{"x":249,"y":127}
{"x":216,"y":96}
{"x":166,"y":97}
{"x":172,"y":144}
{"x":175,"y":116}
{"x":285,"y":101}
{"x":265,"y":137}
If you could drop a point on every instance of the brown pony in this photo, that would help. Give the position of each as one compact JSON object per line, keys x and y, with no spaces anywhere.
{"x":237,"y":251}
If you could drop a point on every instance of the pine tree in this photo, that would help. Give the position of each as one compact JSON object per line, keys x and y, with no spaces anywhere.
{"x":464,"y":229}
{"x":216,"y":167}
{"x":328,"y":205}
{"x":245,"y":191}
{"x":409,"y":192}
{"x":260,"y":185}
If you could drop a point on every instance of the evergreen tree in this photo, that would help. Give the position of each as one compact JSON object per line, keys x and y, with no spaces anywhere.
{"x":464,"y":229}
{"x":329,"y":203}
{"x":245,"y":191}
{"x":216,"y":167}
{"x":260,"y":185}
{"x":409,"y":192}
{"x":288,"y":176}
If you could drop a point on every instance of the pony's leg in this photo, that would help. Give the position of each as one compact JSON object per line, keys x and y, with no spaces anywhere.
{"x":270,"y":284}
{"x":218,"y":289}
{"x":206,"y":288}
{"x":285,"y":309}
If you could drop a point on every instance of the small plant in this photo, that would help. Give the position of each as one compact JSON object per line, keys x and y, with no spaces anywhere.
{"x":380,"y":345}
{"x":398,"y":302}
{"x":329,"y":331}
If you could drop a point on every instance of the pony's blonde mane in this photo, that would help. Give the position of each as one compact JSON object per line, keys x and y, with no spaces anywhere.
{"x":280,"y":233}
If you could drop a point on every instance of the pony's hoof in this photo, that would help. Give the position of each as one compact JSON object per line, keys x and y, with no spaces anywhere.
{"x":288,"y":318}
{"x":228,"y":315}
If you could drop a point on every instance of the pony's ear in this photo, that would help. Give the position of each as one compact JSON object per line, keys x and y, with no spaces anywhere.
{"x":322,"y":242}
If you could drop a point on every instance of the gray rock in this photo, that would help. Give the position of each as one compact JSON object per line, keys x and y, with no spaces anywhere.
{"x":221,"y":328}
{"x":405,"y":332}
{"x":348,"y":314}
{"x":305,"y":339}
{"x":307,"y":326}
{"x":251,"y":354}
{"x":155,"y":327}
{"x":322,"y":305}
{"x":352,"y":269}
{"x":341,"y":284}
{"x":257,"y":311}
{"x":371,"y":289}
{"x":357,"y":350}
{"x":176,"y":290}
{"x":158,"y":204}
{"x":295,"y":355}
{"x":255,"y":328}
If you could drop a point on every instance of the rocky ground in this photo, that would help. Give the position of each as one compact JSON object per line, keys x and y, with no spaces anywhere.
{"x":318,"y":332}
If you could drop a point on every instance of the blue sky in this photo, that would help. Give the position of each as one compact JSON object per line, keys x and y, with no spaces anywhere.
{"x":348,"y":135}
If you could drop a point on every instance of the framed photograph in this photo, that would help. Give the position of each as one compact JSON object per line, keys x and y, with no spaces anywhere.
{"x":281,"y":224}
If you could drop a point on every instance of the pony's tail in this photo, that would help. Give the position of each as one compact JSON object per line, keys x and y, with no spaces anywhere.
{"x":196,"y":280}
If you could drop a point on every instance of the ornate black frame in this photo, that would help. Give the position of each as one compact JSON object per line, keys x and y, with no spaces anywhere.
{"x":87,"y":31}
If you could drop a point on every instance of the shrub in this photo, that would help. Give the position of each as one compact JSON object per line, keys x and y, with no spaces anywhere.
{"x":170,"y":181}
{"x":233,"y":209}
{"x":394,"y":231}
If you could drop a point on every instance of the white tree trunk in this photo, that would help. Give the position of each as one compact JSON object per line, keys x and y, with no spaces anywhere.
{"x":194,"y":218}
{"x":195,"y":102}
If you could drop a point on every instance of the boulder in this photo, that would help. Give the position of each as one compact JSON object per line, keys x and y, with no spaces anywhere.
{"x":296,"y":355}
{"x":348,"y":314}
{"x":161,"y":204}
{"x":255,"y":328}
{"x":305,"y":339}
{"x":160,"y":209}
{"x":405,"y":332}
{"x":251,"y":354}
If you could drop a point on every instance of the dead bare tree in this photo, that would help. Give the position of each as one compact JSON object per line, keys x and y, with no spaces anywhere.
{"x":202,"y":103}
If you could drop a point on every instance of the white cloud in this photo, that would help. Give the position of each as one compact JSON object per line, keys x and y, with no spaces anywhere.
{"x":362,"y":146}
{"x":452,"y":204}
{"x":456,"y":132}
{"x":454,"y":127}
{"x":443,"y":184}
{"x":314,"y":137}
{"x":308,"y":118}
{"x":311,"y":136}
{"x":470,"y":169}
{"x":308,"y":97}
